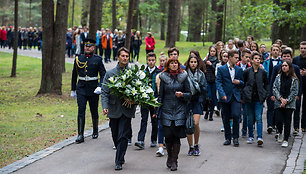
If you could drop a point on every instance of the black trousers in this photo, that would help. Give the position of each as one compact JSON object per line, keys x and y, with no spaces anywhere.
{"x":108,"y":53}
{"x":144,"y":122}
{"x":93,"y":105}
{"x":283,"y":117}
{"x":120,"y":128}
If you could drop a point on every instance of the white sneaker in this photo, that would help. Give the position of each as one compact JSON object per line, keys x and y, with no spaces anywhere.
{"x":114,"y":148}
{"x":285,"y":144}
{"x":250,"y":140}
{"x":222,"y":129}
{"x":160,"y":152}
{"x":259,"y":141}
{"x":280,"y":138}
{"x":215,"y":108}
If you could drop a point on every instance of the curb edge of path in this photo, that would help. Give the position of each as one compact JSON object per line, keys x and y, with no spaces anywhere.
{"x":297,"y":156}
{"x":45,"y":152}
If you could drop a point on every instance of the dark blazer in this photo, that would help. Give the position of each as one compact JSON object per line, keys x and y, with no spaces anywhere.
{"x":297,"y":61}
{"x":261,"y":82}
{"x":82,"y":36}
{"x":112,"y":102}
{"x":94,"y":66}
{"x":225,"y":85}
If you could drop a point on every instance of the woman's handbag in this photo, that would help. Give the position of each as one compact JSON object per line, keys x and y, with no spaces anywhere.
{"x":190,"y":123}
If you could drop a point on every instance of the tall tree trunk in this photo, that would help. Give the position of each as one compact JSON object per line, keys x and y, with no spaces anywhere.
{"x":53,"y":45}
{"x":285,"y":27}
{"x":224,"y":21}
{"x":59,"y":42}
{"x":114,"y":14}
{"x":172,"y":23}
{"x":135,"y":15}
{"x":129,"y":25}
{"x":275,"y":26}
{"x":163,"y":19}
{"x":72,"y":15}
{"x":178,"y":32}
{"x":212,"y":21}
{"x":93,"y":19}
{"x":13,"y":73}
{"x":218,"y":33}
{"x":85,"y":9}
{"x":195,"y":10}
{"x":303,"y":33}
{"x":99,"y":13}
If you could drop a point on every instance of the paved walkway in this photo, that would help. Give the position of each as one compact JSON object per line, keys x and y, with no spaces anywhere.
{"x":97,"y":156}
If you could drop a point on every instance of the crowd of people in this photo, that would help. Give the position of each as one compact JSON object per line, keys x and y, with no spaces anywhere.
{"x":107,"y":42}
{"x":232,"y":81}
{"x":28,"y":38}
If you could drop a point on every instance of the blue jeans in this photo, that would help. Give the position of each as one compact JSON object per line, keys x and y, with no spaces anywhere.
{"x":212,"y":93}
{"x":160,"y":133}
{"x":254,"y":110}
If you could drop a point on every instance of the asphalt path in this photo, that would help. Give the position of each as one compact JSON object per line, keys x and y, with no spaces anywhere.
{"x":97,"y":156}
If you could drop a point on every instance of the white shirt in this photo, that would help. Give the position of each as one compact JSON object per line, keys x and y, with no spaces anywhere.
{"x":243,"y":66}
{"x":231,"y":70}
{"x":274,"y":62}
{"x":151,"y":70}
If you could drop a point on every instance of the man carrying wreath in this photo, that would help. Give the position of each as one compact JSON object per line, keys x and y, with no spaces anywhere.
{"x":119,"y":111}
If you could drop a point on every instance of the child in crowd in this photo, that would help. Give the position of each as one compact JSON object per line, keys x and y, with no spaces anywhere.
{"x":211,"y":62}
{"x":198,"y":88}
{"x":285,"y":90}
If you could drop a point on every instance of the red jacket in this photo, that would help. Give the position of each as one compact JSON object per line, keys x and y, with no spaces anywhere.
{"x":3,"y":34}
{"x":150,"y":41}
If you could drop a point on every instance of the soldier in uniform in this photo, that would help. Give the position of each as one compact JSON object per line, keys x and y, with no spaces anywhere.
{"x":86,"y":68}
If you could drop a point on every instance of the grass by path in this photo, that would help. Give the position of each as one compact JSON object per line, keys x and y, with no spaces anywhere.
{"x":29,"y":123}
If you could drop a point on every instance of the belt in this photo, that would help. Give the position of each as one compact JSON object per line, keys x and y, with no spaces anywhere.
{"x":87,"y":78}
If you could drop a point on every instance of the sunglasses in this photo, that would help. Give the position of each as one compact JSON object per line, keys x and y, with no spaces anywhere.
{"x":89,"y":45}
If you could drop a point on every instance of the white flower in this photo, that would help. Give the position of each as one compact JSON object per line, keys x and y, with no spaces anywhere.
{"x":144,"y":95}
{"x":141,"y":89}
{"x":111,"y":79}
{"x":124,"y":77}
{"x":149,"y":90}
{"x":127,"y":91}
{"x":118,"y":84}
{"x":142,"y":75}
{"x":134,"y":91}
{"x":138,"y":82}
{"x":129,"y":72}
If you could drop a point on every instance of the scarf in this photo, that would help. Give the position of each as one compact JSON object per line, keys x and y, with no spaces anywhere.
{"x":173,"y":72}
{"x":194,"y":81}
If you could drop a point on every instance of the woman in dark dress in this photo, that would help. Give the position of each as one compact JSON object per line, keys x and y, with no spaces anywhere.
{"x":174,"y":93}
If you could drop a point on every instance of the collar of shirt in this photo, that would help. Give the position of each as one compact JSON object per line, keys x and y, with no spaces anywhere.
{"x":151,"y":70}
{"x":231,"y":70}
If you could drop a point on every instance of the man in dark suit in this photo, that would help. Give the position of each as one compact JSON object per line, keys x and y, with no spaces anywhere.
{"x":120,"y":115}
{"x":87,"y":67}
{"x":301,"y":62}
{"x":229,"y":82}
{"x":83,"y":36}
{"x":286,"y":55}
